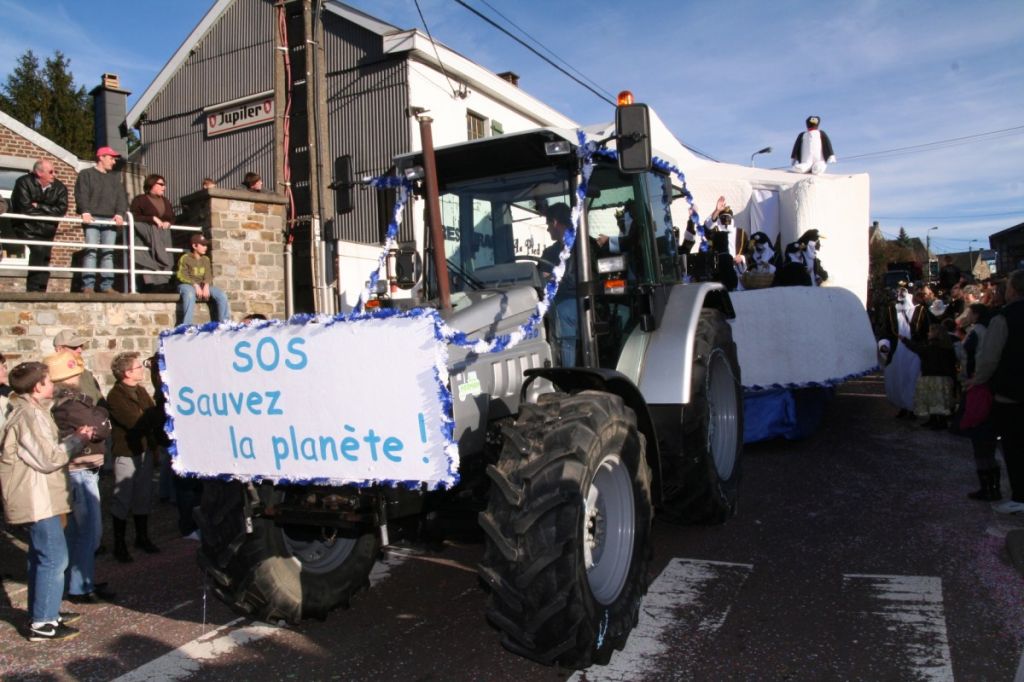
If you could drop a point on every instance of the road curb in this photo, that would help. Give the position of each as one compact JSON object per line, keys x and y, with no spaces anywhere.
{"x":1015,"y":546}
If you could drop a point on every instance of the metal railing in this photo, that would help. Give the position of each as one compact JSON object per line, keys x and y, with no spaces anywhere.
{"x":129,"y":225}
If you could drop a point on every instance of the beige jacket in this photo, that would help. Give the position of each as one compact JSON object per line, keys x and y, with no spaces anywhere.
{"x":33,"y":463}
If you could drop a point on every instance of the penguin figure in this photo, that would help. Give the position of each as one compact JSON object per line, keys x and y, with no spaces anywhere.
{"x":793,"y":272}
{"x":810,"y":244}
{"x":812,"y":150}
{"x":762,"y":253}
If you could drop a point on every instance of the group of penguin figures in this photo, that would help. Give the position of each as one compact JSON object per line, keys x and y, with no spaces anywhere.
{"x":758,"y":264}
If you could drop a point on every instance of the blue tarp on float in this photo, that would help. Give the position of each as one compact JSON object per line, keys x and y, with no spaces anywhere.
{"x":784,"y":412}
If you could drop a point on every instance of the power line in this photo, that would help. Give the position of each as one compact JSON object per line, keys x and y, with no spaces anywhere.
{"x":455,"y":93}
{"x":939,"y":144}
{"x":533,"y":50}
{"x":947,"y":217}
{"x":547,"y":49}
{"x":932,"y":146}
{"x":934,"y":239}
{"x":601,"y":96}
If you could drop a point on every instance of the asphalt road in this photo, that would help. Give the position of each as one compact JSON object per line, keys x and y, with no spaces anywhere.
{"x":855,"y":556}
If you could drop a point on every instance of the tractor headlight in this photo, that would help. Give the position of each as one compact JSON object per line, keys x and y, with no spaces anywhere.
{"x":611,"y":264}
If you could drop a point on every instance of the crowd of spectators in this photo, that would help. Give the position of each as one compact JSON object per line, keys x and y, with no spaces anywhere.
{"x":58,"y":433}
{"x":102,"y":204}
{"x":953,"y":355}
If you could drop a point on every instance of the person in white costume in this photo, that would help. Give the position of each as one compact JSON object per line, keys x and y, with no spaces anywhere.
{"x":812,"y":149}
{"x":905,"y":365}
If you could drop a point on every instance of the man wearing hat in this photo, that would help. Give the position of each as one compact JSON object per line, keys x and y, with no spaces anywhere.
{"x":812,"y":149}
{"x":71,"y":410}
{"x":195,"y":283}
{"x":729,"y":242}
{"x":71,"y":342}
{"x":100,"y":196}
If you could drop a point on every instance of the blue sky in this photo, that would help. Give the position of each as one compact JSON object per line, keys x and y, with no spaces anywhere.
{"x":728,"y":78}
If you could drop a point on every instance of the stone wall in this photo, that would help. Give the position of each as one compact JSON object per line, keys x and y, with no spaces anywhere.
{"x":246,"y":231}
{"x":129,"y":323}
{"x":247,"y":253}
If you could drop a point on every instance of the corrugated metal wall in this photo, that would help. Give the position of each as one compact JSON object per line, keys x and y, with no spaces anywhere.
{"x":367,"y":95}
{"x":234,"y":59}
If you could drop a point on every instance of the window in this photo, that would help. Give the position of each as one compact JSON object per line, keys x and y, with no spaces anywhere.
{"x":13,"y":254}
{"x":8,"y":176}
{"x":476,"y":126}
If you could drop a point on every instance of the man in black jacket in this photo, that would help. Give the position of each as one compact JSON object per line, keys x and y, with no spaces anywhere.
{"x":38,"y":193}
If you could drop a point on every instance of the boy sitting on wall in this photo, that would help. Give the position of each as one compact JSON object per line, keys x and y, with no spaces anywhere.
{"x":195,"y":283}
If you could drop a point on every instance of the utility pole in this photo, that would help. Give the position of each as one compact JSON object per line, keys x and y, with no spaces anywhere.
{"x":312,"y":26}
{"x":295,"y":21}
{"x":281,"y":185}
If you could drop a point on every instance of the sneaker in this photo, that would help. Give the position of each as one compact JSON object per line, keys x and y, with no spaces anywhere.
{"x":1009,"y":507}
{"x":68,"y":617}
{"x":194,"y":535}
{"x":88,"y":290}
{"x":48,"y":631}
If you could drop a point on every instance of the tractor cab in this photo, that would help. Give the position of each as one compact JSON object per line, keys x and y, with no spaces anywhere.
{"x":498,"y":199}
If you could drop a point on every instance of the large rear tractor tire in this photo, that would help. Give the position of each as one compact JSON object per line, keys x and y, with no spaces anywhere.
{"x":567,"y":529}
{"x":700,"y":482}
{"x":279,"y":572}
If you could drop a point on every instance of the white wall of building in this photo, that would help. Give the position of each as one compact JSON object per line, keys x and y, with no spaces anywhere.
{"x":448,"y":101}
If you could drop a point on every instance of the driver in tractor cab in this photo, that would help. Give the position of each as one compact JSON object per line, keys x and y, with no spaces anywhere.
{"x":564,"y":306}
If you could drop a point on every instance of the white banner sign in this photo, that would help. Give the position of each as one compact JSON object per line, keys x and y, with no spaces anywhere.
{"x":238,"y":116}
{"x":330,"y":401}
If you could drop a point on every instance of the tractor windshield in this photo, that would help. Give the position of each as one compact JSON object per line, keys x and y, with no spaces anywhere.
{"x":495,"y":231}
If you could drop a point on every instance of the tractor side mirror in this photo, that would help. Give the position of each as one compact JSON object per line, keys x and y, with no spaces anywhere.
{"x":633,"y":137}
{"x":344,"y":199}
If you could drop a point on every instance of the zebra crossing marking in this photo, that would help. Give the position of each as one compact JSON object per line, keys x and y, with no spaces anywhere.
{"x":679,"y":587}
{"x":911,"y":607}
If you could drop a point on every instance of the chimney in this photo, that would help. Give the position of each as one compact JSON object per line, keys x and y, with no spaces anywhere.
{"x":510,"y":76}
{"x":110,"y":107}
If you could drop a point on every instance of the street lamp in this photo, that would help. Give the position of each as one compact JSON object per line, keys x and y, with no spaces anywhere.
{"x":928,"y":249}
{"x":766,"y":150}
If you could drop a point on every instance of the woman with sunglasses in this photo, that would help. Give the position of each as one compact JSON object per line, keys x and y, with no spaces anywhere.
{"x":154,"y":216}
